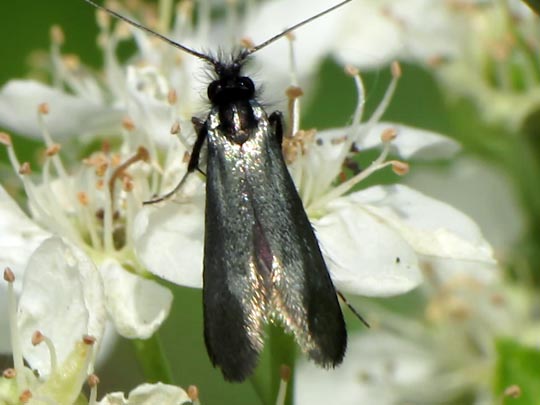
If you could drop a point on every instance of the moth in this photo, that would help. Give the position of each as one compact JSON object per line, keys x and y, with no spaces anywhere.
{"x":262,"y":261}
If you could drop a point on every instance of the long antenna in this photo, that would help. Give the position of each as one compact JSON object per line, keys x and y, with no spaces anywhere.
{"x":200,"y":55}
{"x":283,"y":33}
{"x":152,"y":32}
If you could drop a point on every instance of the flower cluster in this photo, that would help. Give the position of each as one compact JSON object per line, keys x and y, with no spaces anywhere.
{"x":88,"y":250}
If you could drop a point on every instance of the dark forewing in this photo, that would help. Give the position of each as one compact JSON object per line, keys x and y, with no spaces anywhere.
{"x":262,"y":260}
{"x":303,"y":296}
{"x":234,"y":300}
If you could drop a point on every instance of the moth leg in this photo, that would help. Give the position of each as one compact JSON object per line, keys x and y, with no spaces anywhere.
{"x":353,"y":309}
{"x":193,"y":164}
{"x":202,"y":132}
{"x":276,"y":120}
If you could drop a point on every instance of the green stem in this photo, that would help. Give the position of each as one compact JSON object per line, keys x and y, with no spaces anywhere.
{"x":152,"y":360}
{"x":282,"y":352}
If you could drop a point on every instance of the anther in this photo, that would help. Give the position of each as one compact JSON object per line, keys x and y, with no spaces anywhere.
{"x":186,"y":157}
{"x":388,"y":135}
{"x":25,"y":396}
{"x":101,"y":169}
{"x":83,"y":198}
{"x":72,"y":62}
{"x":53,"y":149}
{"x":93,"y":380}
{"x":128,"y":124}
{"x":89,"y":340}
{"x":175,"y":128}
{"x":9,"y":276}
{"x":9,"y":373}
{"x":247,"y":43}
{"x":5,"y":139}
{"x":193,"y":393}
{"x":25,"y":169}
{"x":122,"y":31}
{"x":395,"y":68}
{"x":57,"y":35}
{"x":43,"y":108}
{"x":400,"y":168}
{"x":103,"y":19}
{"x":37,"y":338}
{"x":285,"y":373}
{"x":513,"y":391}
{"x":351,"y":70}
{"x":172,"y":97}
{"x":127,"y":184}
{"x":293,"y":92}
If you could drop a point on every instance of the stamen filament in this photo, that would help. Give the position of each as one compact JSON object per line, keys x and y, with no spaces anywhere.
{"x":383,"y":105}
{"x":344,"y":187}
{"x":51,"y":206}
{"x":93,"y":382}
{"x":282,"y":391}
{"x":60,"y":170}
{"x":295,"y":108}
{"x":108,"y":212}
{"x":16,"y":349}
{"x":90,"y":225}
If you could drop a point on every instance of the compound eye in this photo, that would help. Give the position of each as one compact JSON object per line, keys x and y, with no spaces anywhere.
{"x":247,"y":83}
{"x":213,"y":90}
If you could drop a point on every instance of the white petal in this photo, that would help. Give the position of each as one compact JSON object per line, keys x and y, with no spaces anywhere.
{"x":375,"y":32}
{"x":62,"y":297}
{"x":18,"y":239}
{"x":20,"y":236}
{"x":479,"y":189}
{"x":115,"y":398}
{"x":412,"y":142}
{"x":363,"y":255}
{"x":147,"y":103}
{"x":151,"y":394}
{"x":169,"y":241}
{"x":368,"y":38}
{"x":432,"y":227}
{"x":312,"y":43}
{"x":68,"y":115}
{"x":136,"y":305}
{"x":377,"y":364}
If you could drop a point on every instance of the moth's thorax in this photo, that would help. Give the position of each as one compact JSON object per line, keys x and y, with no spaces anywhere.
{"x":237,"y":120}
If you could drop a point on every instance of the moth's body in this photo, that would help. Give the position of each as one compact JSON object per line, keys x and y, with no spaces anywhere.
{"x":262,"y":262}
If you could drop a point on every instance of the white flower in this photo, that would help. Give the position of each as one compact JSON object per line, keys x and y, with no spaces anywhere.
{"x":90,"y":210}
{"x":368,"y":34}
{"x":149,"y":394}
{"x":496,"y":65}
{"x":51,"y":330}
{"x":67,"y":329}
{"x":444,"y":357}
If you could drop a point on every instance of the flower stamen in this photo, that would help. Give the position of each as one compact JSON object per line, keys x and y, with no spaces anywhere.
{"x":38,"y":338}
{"x":193,"y":394}
{"x":93,"y":381}
{"x":18,"y":362}
{"x":285,"y":376}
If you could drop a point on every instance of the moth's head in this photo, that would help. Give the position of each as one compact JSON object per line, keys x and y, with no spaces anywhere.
{"x":230,"y":85}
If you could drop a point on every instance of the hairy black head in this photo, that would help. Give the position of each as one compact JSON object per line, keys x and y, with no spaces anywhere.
{"x":230,"y":86}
